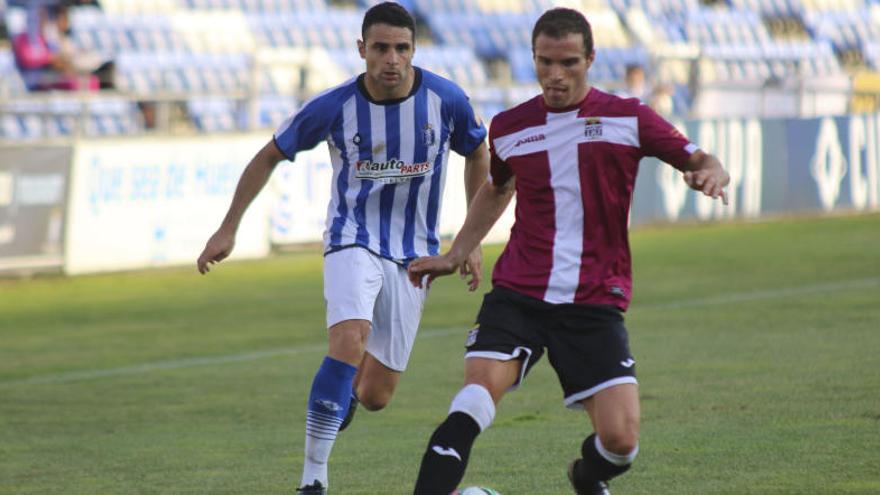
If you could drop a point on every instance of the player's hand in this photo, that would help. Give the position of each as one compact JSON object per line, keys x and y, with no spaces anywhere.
{"x":710,"y":181}
{"x":219,"y":247}
{"x":432,"y":266}
{"x":473,"y":266}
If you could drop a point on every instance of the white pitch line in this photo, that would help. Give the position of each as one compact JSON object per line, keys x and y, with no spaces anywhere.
{"x":733,"y":298}
{"x":75,"y":376}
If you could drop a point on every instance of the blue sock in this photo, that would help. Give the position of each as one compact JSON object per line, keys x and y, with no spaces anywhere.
{"x":328,"y":404}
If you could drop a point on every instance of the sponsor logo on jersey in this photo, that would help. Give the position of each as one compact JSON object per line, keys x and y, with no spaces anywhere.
{"x":593,"y":128}
{"x":530,"y":139}
{"x":390,"y":171}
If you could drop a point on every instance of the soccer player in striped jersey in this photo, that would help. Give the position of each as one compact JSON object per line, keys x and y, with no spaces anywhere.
{"x":563,"y":282}
{"x":389,"y":132}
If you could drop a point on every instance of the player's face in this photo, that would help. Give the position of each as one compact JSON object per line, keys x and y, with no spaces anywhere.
{"x":388,"y":51}
{"x":561,"y":66}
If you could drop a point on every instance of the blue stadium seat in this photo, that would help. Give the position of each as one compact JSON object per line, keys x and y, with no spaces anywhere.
{"x":213,"y":114}
{"x":10,"y":127}
{"x":274,"y":109}
{"x":11,"y":83}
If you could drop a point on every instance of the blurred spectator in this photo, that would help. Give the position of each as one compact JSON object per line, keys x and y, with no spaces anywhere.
{"x":661,"y":99}
{"x":40,"y":60}
{"x":83,"y":62}
{"x":635,"y":84}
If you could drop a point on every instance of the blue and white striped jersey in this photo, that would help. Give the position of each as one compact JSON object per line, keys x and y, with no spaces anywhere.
{"x":389,"y":161}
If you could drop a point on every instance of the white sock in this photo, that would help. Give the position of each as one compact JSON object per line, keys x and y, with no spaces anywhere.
{"x":616,"y":459}
{"x":315,"y":465}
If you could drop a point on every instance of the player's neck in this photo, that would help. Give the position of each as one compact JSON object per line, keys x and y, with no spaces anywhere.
{"x":575,"y":101}
{"x":379,"y":93}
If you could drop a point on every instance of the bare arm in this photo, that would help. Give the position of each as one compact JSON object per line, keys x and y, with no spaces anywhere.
{"x":485,"y":210}
{"x":252,"y":181}
{"x":476,"y":169}
{"x":705,"y":173}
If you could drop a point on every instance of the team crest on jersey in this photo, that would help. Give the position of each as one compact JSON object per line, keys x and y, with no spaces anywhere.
{"x":472,"y":336}
{"x":593,"y":128}
{"x":429,"y":135}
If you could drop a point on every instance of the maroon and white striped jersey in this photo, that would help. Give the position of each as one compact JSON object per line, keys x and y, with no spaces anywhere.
{"x":575,"y":171}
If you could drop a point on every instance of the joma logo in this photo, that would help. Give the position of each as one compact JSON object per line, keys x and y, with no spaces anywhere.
{"x":530,"y":139}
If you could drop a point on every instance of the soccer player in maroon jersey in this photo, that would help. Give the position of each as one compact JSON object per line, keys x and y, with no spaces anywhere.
{"x":563,"y":281}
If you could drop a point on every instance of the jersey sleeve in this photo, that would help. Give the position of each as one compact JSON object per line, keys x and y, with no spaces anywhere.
{"x":468,"y":130}
{"x":306,"y":128}
{"x":499,"y":171}
{"x":661,"y":139}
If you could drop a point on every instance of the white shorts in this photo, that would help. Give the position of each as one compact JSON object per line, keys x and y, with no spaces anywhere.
{"x":358,"y":285}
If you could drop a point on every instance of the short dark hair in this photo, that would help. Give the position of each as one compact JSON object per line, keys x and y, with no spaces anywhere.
{"x":560,"y":22}
{"x":390,"y":13}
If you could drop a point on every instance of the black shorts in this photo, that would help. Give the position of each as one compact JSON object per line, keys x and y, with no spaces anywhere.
{"x":587,"y":344}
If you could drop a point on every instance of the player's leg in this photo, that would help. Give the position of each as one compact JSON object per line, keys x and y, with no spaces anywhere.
{"x":351,"y":282}
{"x":472,"y":411}
{"x":589,"y":350}
{"x":396,"y":317}
{"x":500,"y":351}
{"x":375,"y":383}
{"x":615,"y":414}
{"x":610,"y":451}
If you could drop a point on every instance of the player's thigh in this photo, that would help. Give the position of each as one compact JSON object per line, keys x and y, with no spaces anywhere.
{"x":588,"y":348}
{"x":615,"y":413}
{"x":506,"y":342}
{"x":352,"y":281}
{"x":495,"y":375}
{"x":396,"y":317}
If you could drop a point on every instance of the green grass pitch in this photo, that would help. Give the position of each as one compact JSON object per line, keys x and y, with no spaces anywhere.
{"x":758,"y":349}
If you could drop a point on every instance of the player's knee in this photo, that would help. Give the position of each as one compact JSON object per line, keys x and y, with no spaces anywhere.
{"x":374,"y":402}
{"x":622,"y":438}
{"x":622,"y":445}
{"x":475,"y":401}
{"x":348,"y":340}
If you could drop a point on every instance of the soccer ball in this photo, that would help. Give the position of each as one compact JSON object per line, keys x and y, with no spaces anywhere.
{"x":477,"y":490}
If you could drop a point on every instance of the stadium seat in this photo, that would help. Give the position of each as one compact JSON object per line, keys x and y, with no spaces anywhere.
{"x":213,"y":114}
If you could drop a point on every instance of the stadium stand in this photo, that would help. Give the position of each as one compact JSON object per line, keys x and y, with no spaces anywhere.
{"x":231,"y":65}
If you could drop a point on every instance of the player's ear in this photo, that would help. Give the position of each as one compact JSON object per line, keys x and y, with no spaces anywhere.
{"x":591,"y":58}
{"x":362,"y":49}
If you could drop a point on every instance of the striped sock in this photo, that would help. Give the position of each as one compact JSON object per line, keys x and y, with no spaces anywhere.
{"x":328,"y":404}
